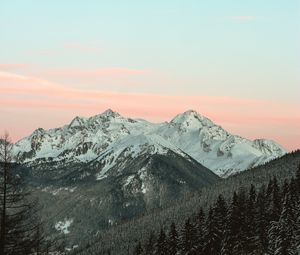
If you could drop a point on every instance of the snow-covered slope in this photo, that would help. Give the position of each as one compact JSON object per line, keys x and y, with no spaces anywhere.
{"x":106,"y":136}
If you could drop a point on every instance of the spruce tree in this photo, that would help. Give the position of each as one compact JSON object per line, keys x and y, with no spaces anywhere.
{"x":161,"y":244}
{"x":138,"y":249}
{"x":149,"y":248}
{"x":285,"y":188}
{"x":241,"y":212}
{"x":298,"y":179}
{"x":212,"y":241}
{"x":172,"y":241}
{"x":220,"y":212}
{"x":282,"y":233}
{"x":275,"y":207}
{"x":293,"y":191}
{"x":268,"y":200}
{"x":200,"y":228}
{"x":251,"y":244}
{"x":262,"y":222}
{"x":188,"y":238}
{"x":232,"y":228}
{"x":19,"y":219}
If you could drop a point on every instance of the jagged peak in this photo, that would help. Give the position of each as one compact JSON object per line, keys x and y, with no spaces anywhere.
{"x":189,"y":131}
{"x":39,"y":131}
{"x":109,"y":113}
{"x":269,"y":146}
{"x":77,"y":121}
{"x":190,"y":116}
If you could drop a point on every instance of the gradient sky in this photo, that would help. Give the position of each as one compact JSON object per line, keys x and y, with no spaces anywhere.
{"x":236,"y":62}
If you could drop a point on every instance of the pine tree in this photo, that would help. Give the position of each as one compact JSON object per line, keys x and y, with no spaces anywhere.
{"x":275,"y":208}
{"x":188,"y":238}
{"x":230,"y":244}
{"x":20,"y":223}
{"x":293,"y":191}
{"x":212,"y":241}
{"x":150,"y":244}
{"x":220,"y":212}
{"x":161,"y":244}
{"x":173,"y":240}
{"x":251,"y":244}
{"x":200,"y":228}
{"x":284,"y":241}
{"x":273,"y":233}
{"x":298,"y":179}
{"x":241,"y":212}
{"x":138,"y":249}
{"x":282,"y":232}
{"x":285,"y":188}
{"x":269,"y":190}
{"x":295,"y":188}
{"x":268,"y":200}
{"x":262,"y":220}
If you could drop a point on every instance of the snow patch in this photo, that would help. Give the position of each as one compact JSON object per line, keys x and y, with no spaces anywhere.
{"x":128,"y":180}
{"x":63,"y":226}
{"x":100,"y":177}
{"x":55,"y":192}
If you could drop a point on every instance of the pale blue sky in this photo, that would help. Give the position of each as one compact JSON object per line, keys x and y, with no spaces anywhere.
{"x":199,"y":43}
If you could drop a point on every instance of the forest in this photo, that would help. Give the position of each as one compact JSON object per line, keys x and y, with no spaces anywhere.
{"x":126,"y":238}
{"x":263,"y":222}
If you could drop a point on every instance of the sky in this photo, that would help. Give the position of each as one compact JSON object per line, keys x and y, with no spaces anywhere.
{"x":235,"y":62}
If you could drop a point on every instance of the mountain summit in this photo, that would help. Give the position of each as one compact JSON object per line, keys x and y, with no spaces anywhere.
{"x":108,"y":136}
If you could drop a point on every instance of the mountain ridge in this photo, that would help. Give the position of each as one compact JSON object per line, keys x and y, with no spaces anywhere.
{"x":86,"y":139}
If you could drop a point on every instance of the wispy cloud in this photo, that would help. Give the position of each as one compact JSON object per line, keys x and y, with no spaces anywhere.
{"x":13,"y":84}
{"x":18,"y":93}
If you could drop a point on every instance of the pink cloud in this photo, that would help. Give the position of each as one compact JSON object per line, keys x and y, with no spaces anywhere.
{"x":10,"y":67}
{"x":18,"y":93}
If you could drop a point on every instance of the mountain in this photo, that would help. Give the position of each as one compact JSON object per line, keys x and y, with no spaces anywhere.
{"x":79,"y":200}
{"x":100,"y":172}
{"x":122,"y":239}
{"x":108,"y":137}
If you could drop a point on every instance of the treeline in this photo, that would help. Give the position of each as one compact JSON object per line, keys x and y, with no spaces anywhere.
{"x":253,"y":222}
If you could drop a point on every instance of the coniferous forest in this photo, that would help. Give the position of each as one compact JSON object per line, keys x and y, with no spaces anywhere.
{"x":214,"y":220}
{"x":266,"y":221}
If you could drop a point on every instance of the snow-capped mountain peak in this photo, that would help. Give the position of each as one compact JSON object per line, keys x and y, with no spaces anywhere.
{"x":77,"y":122}
{"x":109,"y":113}
{"x":191,"y":119}
{"x":108,"y":133}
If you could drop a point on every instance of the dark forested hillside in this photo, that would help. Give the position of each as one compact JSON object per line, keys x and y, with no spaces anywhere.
{"x":125,"y":238}
{"x":77,"y":204}
{"x":263,"y":222}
